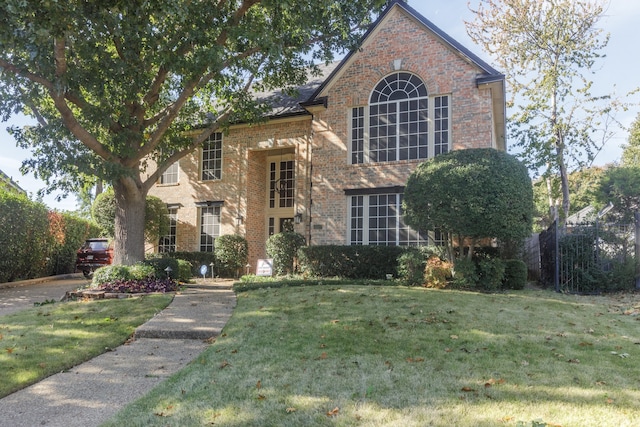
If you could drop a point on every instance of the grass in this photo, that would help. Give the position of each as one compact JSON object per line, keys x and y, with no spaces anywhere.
{"x":41,"y":341}
{"x":339,"y":355}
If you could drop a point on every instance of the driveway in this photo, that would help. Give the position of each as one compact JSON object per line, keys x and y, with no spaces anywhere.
{"x":16,"y":297}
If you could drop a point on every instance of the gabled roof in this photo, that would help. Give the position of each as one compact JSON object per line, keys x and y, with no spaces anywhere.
{"x":489,"y":74}
{"x":309,"y":94}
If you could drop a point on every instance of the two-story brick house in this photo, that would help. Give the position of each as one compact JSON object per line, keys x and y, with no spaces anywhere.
{"x":332,"y":164}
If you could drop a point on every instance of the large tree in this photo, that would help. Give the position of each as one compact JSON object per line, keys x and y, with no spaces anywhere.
{"x":471,"y":194}
{"x":118,"y":85}
{"x":547,"y":49}
{"x":631,"y":150}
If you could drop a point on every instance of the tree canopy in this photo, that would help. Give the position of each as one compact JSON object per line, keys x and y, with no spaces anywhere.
{"x":474,"y":193}
{"x":548,"y":48}
{"x":116,"y":86}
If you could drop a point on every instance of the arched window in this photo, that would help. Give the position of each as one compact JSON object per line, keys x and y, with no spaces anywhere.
{"x":401,"y":122}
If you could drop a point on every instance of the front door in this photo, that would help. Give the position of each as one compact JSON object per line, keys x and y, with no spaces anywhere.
{"x":281,"y":200}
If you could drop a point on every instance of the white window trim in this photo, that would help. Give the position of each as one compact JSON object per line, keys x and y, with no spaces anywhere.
{"x":430,"y":134}
{"x":176,"y":164}
{"x":365,"y":221}
{"x":201,"y":168}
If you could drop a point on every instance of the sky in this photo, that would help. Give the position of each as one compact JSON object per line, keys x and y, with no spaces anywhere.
{"x":617,"y":72}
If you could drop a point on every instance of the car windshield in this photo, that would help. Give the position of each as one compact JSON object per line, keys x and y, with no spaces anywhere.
{"x":98,"y":245}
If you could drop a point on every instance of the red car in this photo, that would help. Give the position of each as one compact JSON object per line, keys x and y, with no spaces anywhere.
{"x":93,"y":254}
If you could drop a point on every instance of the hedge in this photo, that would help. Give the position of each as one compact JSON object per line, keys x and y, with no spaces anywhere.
{"x":36,"y":242}
{"x":352,"y":262}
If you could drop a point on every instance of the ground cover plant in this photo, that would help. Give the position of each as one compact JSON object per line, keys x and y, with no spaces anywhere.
{"x":50,"y":338}
{"x":353,"y":355}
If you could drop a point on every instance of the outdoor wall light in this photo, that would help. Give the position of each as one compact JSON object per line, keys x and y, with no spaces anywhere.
{"x":297,"y":218}
{"x":239,"y":220}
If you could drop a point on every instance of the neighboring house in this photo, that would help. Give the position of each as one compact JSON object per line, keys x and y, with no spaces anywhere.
{"x":8,"y":184}
{"x":332,"y":164}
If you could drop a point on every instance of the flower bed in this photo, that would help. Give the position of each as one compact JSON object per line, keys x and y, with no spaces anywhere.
{"x":139,"y":286}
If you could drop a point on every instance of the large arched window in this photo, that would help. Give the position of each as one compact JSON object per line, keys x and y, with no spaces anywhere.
{"x":401,"y":122}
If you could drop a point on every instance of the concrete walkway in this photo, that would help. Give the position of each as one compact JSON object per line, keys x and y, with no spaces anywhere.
{"x":92,"y":392}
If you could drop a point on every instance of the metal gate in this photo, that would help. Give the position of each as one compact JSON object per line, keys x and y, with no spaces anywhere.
{"x":588,"y":258}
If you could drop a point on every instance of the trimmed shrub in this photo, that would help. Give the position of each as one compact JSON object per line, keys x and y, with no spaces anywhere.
{"x":515,"y":274}
{"x":141,"y":271}
{"x":25,"y":237}
{"x":160,"y":265}
{"x":411,"y":268}
{"x":110,"y":273}
{"x":283,"y":247}
{"x":490,"y":273}
{"x":437,"y":273}
{"x":195,"y":259}
{"x":184,"y":270}
{"x":231,"y":252}
{"x":465,"y":274}
{"x":351,"y":262}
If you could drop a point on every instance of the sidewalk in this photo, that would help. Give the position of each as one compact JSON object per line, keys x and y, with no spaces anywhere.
{"x":92,"y":392}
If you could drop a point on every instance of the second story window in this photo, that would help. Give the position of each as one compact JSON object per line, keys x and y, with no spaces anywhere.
{"x":170,"y":176}
{"x":401,"y":122}
{"x":212,"y":158}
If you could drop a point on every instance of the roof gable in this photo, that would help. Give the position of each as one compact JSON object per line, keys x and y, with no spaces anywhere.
{"x":488,"y":74}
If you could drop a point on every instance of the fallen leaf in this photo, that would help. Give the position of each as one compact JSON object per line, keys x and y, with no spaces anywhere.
{"x":290,"y":410}
{"x":224,"y":364}
{"x":259,"y":385}
{"x":9,"y":350}
{"x":454,"y":337}
{"x":333,"y":412}
{"x":584,"y":344}
{"x":335,"y":321}
{"x":323,"y":355}
{"x":234,"y":351}
{"x":261,"y":397}
{"x":467,"y":389}
{"x":576,"y":361}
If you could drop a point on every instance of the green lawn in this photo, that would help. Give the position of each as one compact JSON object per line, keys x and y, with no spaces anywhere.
{"x":393,"y":356}
{"x":41,"y":341}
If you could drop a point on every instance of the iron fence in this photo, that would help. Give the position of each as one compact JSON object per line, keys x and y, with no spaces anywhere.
{"x":588,"y":258}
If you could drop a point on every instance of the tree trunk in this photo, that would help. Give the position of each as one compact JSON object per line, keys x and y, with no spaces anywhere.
{"x":129,"y":222}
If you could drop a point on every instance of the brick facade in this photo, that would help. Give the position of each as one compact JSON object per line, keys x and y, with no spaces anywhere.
{"x":318,"y":141}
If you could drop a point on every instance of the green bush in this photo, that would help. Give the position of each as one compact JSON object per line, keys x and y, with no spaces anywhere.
{"x":184,"y":270}
{"x":25,"y":237}
{"x":465,"y":274}
{"x":411,"y":266}
{"x":515,"y":274}
{"x":160,"y":266}
{"x":490,"y":273}
{"x":232,"y":253}
{"x":110,"y":273}
{"x":196,"y":260}
{"x":283,"y":247}
{"x":141,"y":271}
{"x":351,"y":262}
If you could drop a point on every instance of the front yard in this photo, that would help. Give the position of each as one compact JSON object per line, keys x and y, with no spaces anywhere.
{"x":353,"y":355}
